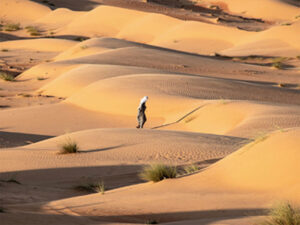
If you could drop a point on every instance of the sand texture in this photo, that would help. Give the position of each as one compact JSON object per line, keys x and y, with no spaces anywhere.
{"x":223,"y":83}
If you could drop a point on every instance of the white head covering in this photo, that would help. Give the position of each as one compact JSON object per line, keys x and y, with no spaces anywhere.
{"x":143,"y":100}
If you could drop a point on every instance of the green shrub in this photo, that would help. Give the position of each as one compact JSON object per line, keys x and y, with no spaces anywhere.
{"x":41,"y":78}
{"x":283,"y":214}
{"x":69,"y":147}
{"x":6,"y":76}
{"x":277,"y":65}
{"x":33,"y":31}
{"x":84,"y":47}
{"x":191,"y":168}
{"x":158,"y":172}
{"x":98,"y":187}
{"x":12,"y":27}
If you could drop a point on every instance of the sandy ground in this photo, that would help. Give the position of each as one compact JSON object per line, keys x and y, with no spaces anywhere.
{"x":223,"y":84}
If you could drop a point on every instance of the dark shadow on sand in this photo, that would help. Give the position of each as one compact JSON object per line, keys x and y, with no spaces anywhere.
{"x":207,"y":216}
{"x":14,"y":139}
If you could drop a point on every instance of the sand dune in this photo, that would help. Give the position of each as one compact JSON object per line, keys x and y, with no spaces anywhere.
{"x":103,"y":20}
{"x":57,"y":18}
{"x":120,"y":52}
{"x":40,"y":44}
{"x":172,"y":33}
{"x":268,"y":164}
{"x":242,"y":119}
{"x":257,"y":168}
{"x":24,"y":11}
{"x":135,"y":25}
{"x":142,"y":30}
{"x":58,"y":119}
{"x":237,"y":118}
{"x":261,"y":9}
{"x":212,"y":38}
{"x":280,"y":40}
{"x":115,"y":146}
{"x":197,"y":37}
{"x":74,"y":80}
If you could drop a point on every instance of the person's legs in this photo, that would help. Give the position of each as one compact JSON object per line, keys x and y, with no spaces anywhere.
{"x":139,"y":119}
{"x":143,"y":121}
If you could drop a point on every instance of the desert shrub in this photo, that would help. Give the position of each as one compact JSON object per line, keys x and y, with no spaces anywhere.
{"x":69,"y":146}
{"x":191,"y":168}
{"x":277,"y":65}
{"x":84,"y":47}
{"x":6,"y":76}
{"x":98,"y":187}
{"x":283,"y":214}
{"x":33,"y":31}
{"x":2,"y":210}
{"x":278,"y":62}
{"x":158,"y":172}
{"x":80,"y":39}
{"x":12,"y":27}
{"x":4,"y":50}
{"x":41,"y":78}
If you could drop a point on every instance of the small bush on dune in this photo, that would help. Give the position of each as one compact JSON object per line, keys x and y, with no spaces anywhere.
{"x":69,"y":147}
{"x":158,"y":172}
{"x":12,"y":27}
{"x":98,"y":187}
{"x":283,"y":214}
{"x":6,"y":76}
{"x":33,"y":31}
{"x":41,"y":78}
{"x":277,"y":65}
{"x":191,"y":168}
{"x":278,"y":62}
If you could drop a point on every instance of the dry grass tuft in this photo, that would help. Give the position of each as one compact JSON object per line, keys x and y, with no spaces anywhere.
{"x":283,"y":214}
{"x":97,"y":187}
{"x":33,"y":31}
{"x":69,"y":147}
{"x":191,"y":168}
{"x":12,"y":27}
{"x":158,"y":172}
{"x":6,"y":76}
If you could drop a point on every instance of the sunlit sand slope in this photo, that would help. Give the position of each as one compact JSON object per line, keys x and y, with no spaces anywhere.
{"x":24,"y":11}
{"x":279,"y":40}
{"x":248,"y":179}
{"x":40,"y":44}
{"x":268,"y":164}
{"x":166,"y":31}
{"x":74,"y":80}
{"x":238,"y":118}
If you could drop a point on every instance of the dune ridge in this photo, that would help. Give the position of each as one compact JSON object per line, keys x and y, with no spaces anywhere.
{"x":224,"y":108}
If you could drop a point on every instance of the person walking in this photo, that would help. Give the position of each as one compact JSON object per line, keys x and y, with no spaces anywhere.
{"x":141,"y":116}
